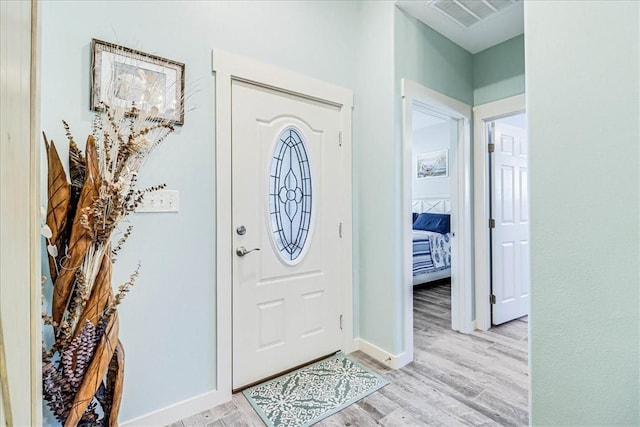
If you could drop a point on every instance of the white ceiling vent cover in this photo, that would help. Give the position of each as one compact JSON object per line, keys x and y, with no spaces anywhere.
{"x":470,"y":12}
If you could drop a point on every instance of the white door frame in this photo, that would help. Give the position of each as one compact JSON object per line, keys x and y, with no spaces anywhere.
{"x":20,"y":282}
{"x":461,"y":301}
{"x":228,"y":67}
{"x":482,"y":115}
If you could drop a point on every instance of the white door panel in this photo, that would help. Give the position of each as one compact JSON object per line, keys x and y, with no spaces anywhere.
{"x":286,"y":295}
{"x":510,"y":282}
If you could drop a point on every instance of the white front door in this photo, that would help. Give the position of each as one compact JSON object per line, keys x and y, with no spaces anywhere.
{"x":510,"y":238}
{"x":287,"y":182}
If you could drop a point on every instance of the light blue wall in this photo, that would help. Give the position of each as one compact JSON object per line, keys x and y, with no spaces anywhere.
{"x":498,"y":72}
{"x":168,"y":319}
{"x":584,"y":120}
{"x":393,"y":46}
{"x":430,"y":59}
{"x":375,"y":177}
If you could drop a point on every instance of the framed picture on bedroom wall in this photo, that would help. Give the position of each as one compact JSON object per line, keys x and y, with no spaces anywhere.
{"x":433,"y":164}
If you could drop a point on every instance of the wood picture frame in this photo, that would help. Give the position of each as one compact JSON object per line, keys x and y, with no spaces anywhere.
{"x":122,"y":77}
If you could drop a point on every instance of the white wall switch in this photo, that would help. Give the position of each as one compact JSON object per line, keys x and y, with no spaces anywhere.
{"x":160,"y":201}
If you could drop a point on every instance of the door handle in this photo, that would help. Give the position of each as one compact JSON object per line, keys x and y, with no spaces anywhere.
{"x":242,"y":251}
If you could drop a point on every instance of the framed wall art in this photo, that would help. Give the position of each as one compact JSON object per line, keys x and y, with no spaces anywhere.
{"x":122,"y":77}
{"x":434,"y":164}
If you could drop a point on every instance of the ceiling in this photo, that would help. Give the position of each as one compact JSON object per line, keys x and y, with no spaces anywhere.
{"x":473,"y":24}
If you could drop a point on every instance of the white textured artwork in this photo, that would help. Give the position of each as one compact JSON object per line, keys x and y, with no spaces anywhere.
{"x":433,"y":164}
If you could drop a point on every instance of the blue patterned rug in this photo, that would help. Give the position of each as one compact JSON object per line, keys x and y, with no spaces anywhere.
{"x":310,"y":394}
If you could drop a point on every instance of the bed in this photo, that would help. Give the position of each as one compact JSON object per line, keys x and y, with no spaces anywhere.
{"x":431,"y":239}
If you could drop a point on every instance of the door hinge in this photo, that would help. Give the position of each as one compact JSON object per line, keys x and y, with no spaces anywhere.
{"x":341,"y":317}
{"x":492,"y":223}
{"x":492,"y":299}
{"x":340,"y":230}
{"x":492,"y":147}
{"x":340,"y":139}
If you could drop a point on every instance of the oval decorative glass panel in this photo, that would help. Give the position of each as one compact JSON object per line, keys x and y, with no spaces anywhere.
{"x":290,"y":195}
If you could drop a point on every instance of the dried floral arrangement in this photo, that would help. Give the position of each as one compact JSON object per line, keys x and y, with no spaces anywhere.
{"x":83,"y":370}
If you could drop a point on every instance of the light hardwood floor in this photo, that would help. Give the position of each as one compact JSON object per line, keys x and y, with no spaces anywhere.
{"x":455,"y":379}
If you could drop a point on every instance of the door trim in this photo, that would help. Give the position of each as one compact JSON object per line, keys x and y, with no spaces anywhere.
{"x":461,"y":301}
{"x":482,"y":115}
{"x":21,"y":20}
{"x":228,"y":67}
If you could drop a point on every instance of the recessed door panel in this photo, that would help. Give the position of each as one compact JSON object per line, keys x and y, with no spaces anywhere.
{"x":525,"y":275}
{"x":313,"y":304}
{"x":523,"y":191}
{"x":507,"y":271}
{"x":271,"y":323}
{"x":507,"y":179}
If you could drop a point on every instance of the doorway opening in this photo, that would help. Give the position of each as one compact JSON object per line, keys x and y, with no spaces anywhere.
{"x":495,"y":372}
{"x":436,"y":187}
{"x":502,"y":268}
{"x":509,"y":223}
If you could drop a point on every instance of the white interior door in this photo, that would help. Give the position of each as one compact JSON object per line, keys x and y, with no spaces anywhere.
{"x":287,"y":174}
{"x":510,"y":237}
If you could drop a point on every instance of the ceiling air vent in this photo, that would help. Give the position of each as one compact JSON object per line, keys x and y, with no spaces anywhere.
{"x":470,"y":12}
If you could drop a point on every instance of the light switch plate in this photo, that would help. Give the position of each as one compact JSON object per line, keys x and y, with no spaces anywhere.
{"x":160,"y":201}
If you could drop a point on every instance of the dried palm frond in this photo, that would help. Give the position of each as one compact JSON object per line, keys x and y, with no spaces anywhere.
{"x":115,"y":382}
{"x":77,"y":166}
{"x":62,"y":379}
{"x":58,"y":204}
{"x":80,"y":238}
{"x":58,"y":191}
{"x":100,"y":295}
{"x":92,"y":379}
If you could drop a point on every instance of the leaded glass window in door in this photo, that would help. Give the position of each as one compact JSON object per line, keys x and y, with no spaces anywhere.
{"x":290,"y":195}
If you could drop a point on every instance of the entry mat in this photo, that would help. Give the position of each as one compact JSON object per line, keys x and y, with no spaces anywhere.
{"x":303,"y":397}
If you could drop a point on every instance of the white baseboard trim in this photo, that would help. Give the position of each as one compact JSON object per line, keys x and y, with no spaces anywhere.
{"x":180,"y":410}
{"x":393,"y":361}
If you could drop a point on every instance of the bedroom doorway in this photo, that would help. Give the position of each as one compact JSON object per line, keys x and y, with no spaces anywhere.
{"x":502,"y":267}
{"x":433,"y":155}
{"x":509,"y":208}
{"x":436,"y":163}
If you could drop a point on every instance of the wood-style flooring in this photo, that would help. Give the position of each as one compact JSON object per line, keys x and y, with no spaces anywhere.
{"x":480,"y":379}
